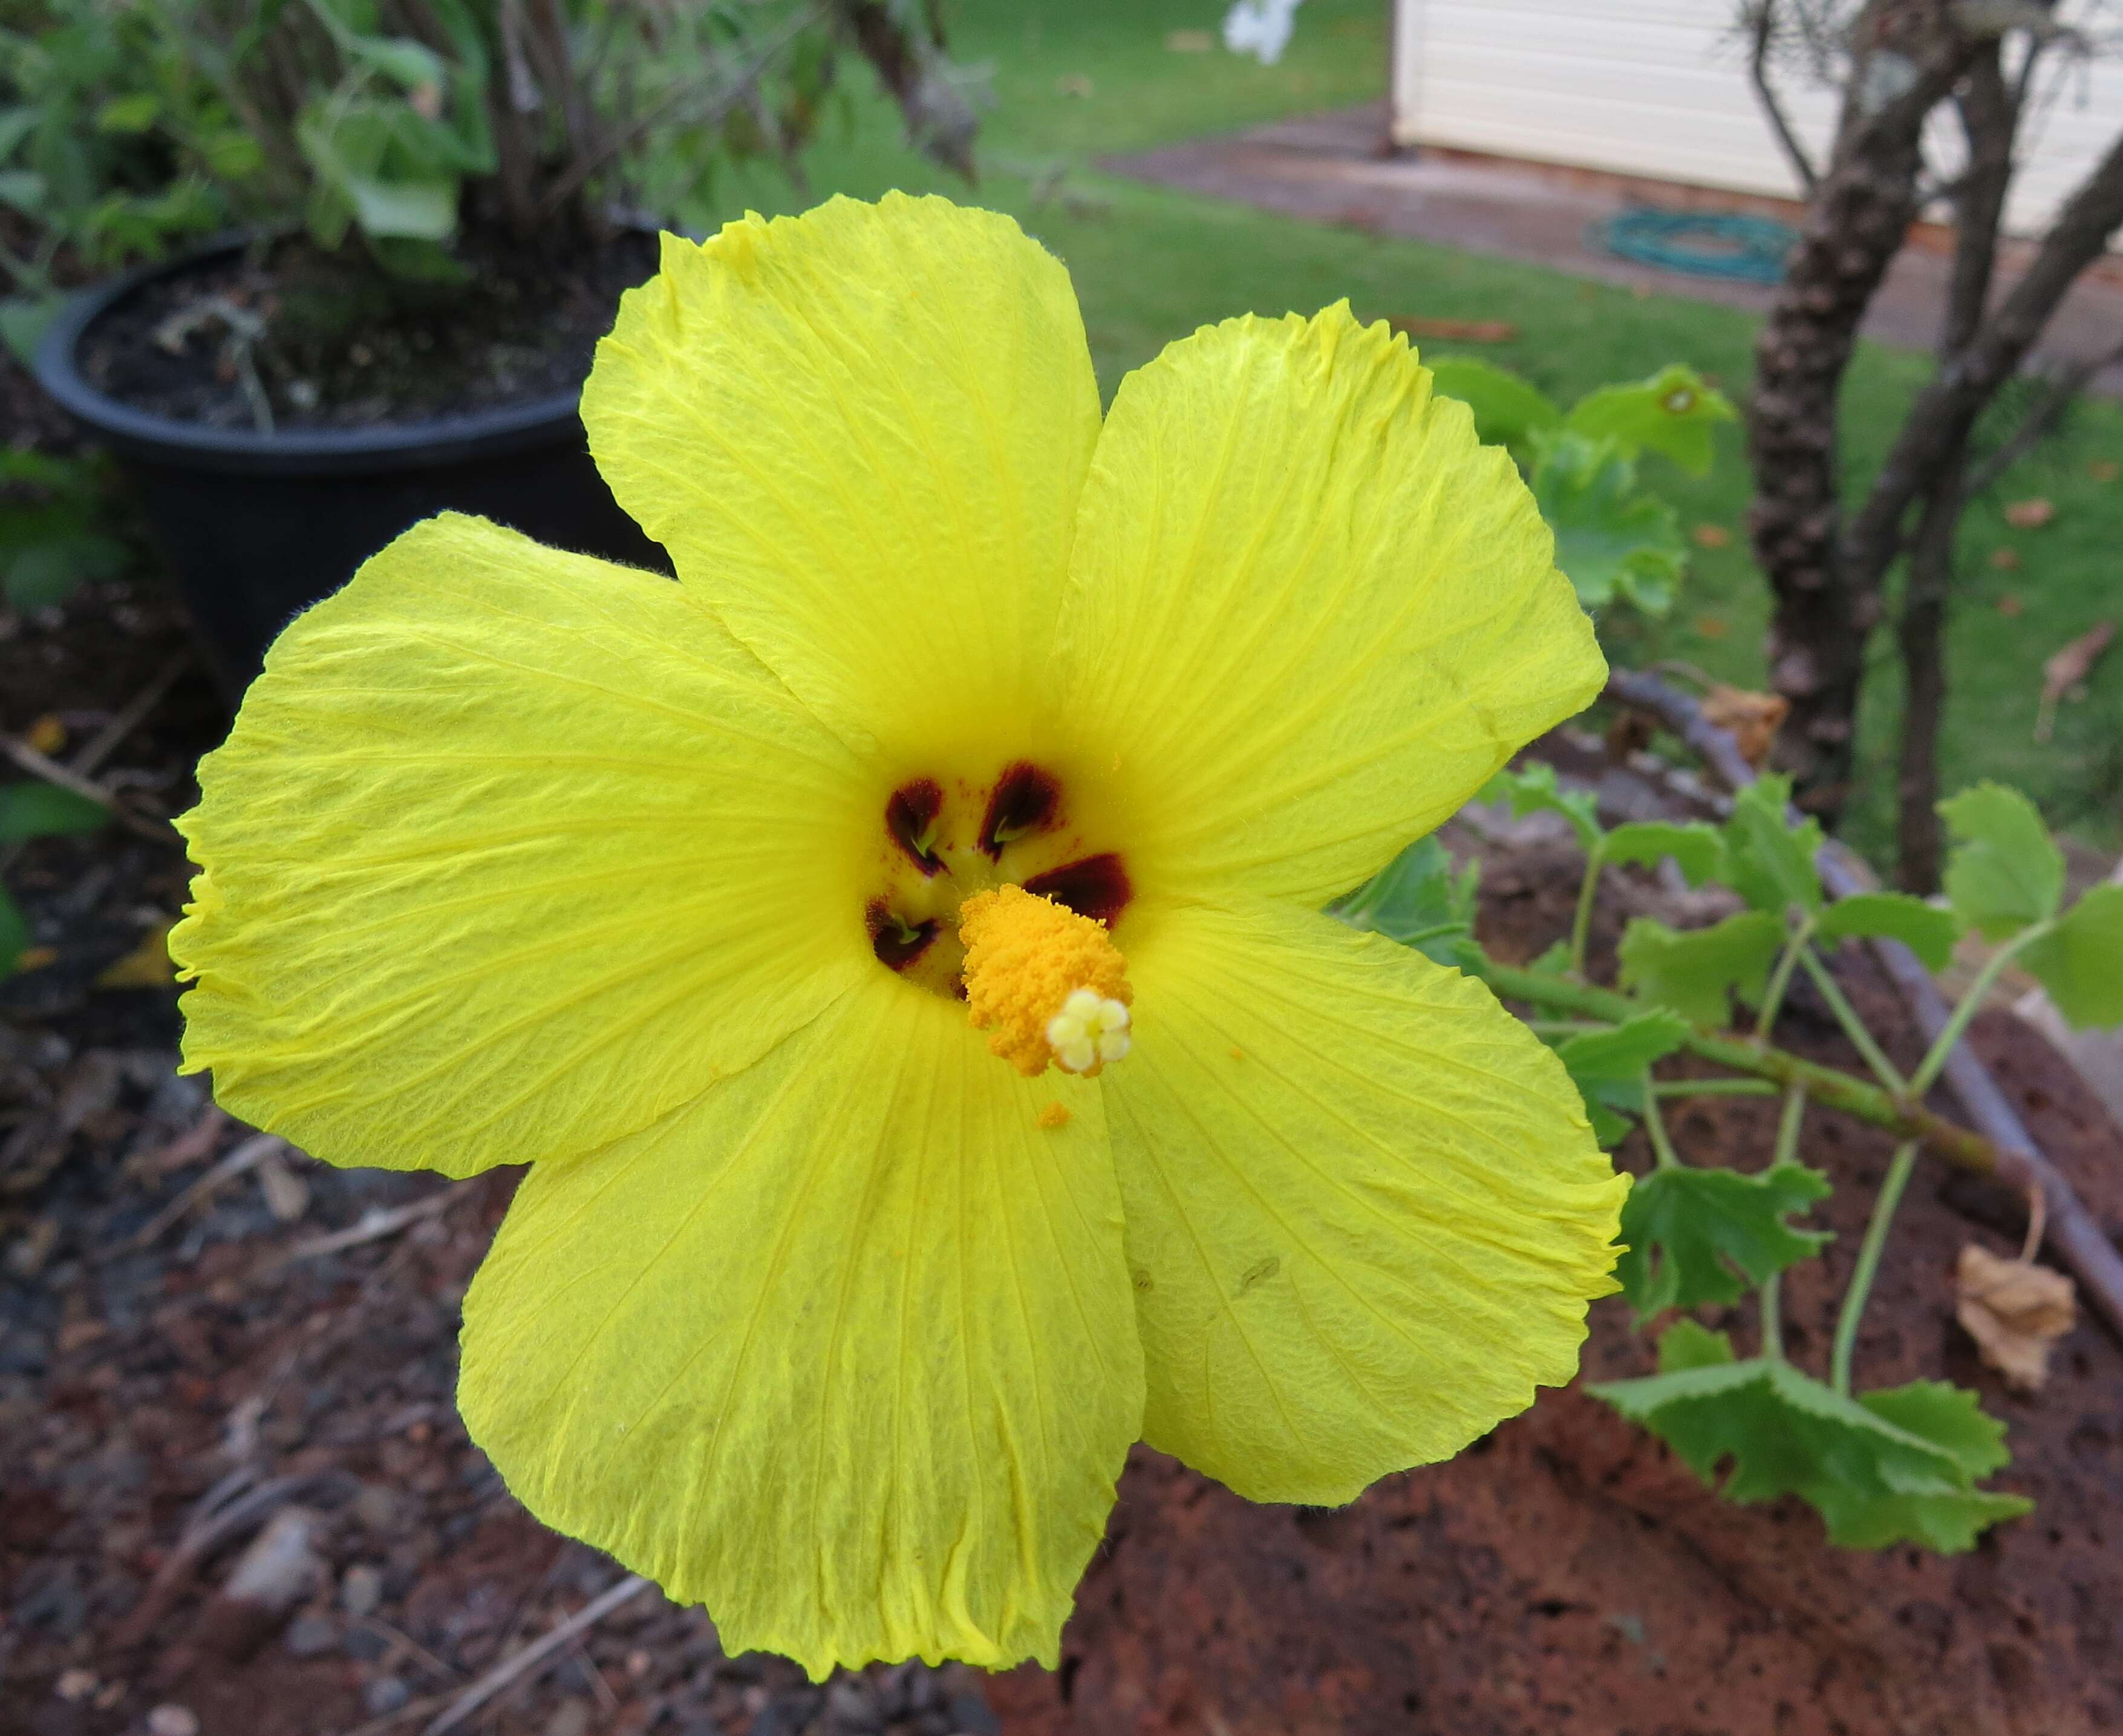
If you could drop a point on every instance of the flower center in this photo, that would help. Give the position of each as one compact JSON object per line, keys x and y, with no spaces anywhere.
{"x":998,"y":893}
{"x":1048,"y":984}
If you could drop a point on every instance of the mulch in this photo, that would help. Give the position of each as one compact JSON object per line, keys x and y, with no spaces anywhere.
{"x":164,"y":1363}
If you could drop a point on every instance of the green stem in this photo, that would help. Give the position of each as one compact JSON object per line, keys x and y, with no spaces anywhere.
{"x":1668,"y":1158}
{"x":1869,"y":1263}
{"x":1787,"y":1152}
{"x":1581,"y":924}
{"x":1766,"y":1021}
{"x":1972,"y":1003}
{"x":1716,"y":1087}
{"x":1825,"y":1086}
{"x":1853,"y":1027}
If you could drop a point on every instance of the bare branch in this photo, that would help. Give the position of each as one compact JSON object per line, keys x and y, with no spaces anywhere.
{"x":1764,"y":23}
{"x":2065,"y":387}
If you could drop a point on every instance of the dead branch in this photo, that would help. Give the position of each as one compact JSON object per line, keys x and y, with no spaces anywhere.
{"x":373,"y":1225}
{"x":40,"y":765}
{"x":2072,"y":1233}
{"x":247,"y":1156}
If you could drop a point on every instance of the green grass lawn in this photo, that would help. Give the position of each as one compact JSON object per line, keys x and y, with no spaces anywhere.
{"x":1073,"y":81}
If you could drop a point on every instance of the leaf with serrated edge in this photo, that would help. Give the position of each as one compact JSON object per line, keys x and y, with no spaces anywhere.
{"x":1611,"y":537}
{"x":2005,"y":871}
{"x":1534,"y":790}
{"x":1608,"y":1068}
{"x":1707,"y":1236}
{"x":1697,"y":849}
{"x":2080,"y":961}
{"x":1926,"y":930}
{"x":1672,"y":413}
{"x":1769,"y":861}
{"x":35,"y":809}
{"x":1693,"y":970}
{"x":1507,"y":408}
{"x":1883,"y":1470}
{"x":1685,"y":1344}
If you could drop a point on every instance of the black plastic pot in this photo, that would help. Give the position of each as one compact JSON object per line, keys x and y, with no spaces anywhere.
{"x":258,"y":527}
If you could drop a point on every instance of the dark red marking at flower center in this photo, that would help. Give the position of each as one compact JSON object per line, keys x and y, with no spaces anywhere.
{"x":1096,"y":887}
{"x":908,"y":817}
{"x":897,"y":942}
{"x":1025,"y":801}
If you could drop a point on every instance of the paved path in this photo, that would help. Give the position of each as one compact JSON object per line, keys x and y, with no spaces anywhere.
{"x":1330,"y":168}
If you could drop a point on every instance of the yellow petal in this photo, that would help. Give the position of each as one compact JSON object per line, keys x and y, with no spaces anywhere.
{"x":510,"y":852}
{"x":861,"y":434}
{"x":1308,"y":612}
{"x":844,"y":1350}
{"x":1365,"y":1211}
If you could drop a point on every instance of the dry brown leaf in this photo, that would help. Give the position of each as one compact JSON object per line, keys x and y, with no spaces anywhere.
{"x":1711,"y":535}
{"x":2005,"y":560}
{"x":47,"y":734}
{"x":2066,"y":669}
{"x":1190,"y":42}
{"x":2031,"y":513}
{"x":1710,"y":626}
{"x":1452,"y":330}
{"x":1075,"y":84}
{"x":1753,"y":718}
{"x":2104,"y":469}
{"x":2010,"y":606}
{"x":2014,"y":1310}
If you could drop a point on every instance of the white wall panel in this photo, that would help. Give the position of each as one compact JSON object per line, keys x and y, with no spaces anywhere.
{"x":1659,"y":88}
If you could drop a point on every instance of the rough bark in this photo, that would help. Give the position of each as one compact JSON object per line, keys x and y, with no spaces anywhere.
{"x":1856,"y":220}
{"x":1926,"y":598}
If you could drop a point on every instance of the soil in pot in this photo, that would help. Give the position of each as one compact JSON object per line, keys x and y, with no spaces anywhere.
{"x":287,"y":336}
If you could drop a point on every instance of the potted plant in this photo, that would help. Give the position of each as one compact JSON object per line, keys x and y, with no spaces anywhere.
{"x":426,"y":232}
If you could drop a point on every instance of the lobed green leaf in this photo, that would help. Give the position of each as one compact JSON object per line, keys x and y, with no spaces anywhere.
{"x":1612,"y":539}
{"x":1698,"y":1236}
{"x":1608,"y":1067}
{"x":2005,"y":873}
{"x":1672,"y":414}
{"x":1534,"y":790}
{"x":1507,"y":409}
{"x":1769,"y":861}
{"x":1926,"y":930}
{"x":1894,"y":1467}
{"x":1697,"y":850}
{"x":2080,"y":961}
{"x":1419,"y":900}
{"x":1695,"y":971}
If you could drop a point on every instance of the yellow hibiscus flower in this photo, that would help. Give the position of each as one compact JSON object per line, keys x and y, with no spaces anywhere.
{"x":978,"y":735}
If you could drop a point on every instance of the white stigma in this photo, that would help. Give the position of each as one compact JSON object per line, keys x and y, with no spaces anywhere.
{"x":1089,"y":1028}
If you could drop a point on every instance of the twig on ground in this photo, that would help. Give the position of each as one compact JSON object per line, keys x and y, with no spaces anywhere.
{"x":535,"y":1654}
{"x":107,"y":740}
{"x":206,"y":1532}
{"x":2017,"y":1160}
{"x":372,"y":1226}
{"x":247,"y":1155}
{"x":196,"y":1141}
{"x":40,"y":765}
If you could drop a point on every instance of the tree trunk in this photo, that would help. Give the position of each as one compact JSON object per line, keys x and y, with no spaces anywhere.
{"x":1927,"y":592}
{"x":1858,"y":216}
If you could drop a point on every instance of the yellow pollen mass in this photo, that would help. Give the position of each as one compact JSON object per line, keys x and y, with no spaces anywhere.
{"x":1049,"y":983}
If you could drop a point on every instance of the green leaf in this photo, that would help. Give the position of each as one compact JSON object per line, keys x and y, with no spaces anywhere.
{"x":1950,"y":1418}
{"x":410,"y":65}
{"x":1672,"y":414}
{"x":2080,"y":961}
{"x":1926,"y":930}
{"x":1897,"y":1466}
{"x":46,"y":574}
{"x":1612,"y":540}
{"x":24,"y":320}
{"x":24,"y":189}
{"x":1768,"y":860}
{"x":232,"y":155}
{"x":32,"y":809}
{"x":1697,"y":850}
{"x":1709,"y":1235}
{"x":1419,"y":900}
{"x":17,"y":121}
{"x":2005,"y":872}
{"x":1608,"y":1067}
{"x":133,"y":114}
{"x":14,"y":934}
{"x":1685,"y":1344}
{"x":1507,"y":409}
{"x":1534,"y":790}
{"x":1694,"y":971}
